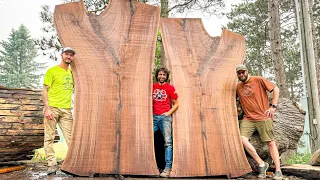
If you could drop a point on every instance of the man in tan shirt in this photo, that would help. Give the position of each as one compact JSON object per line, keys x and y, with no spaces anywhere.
{"x":258,"y":115}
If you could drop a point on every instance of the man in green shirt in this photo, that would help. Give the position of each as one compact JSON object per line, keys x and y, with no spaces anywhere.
{"x":56,"y":96}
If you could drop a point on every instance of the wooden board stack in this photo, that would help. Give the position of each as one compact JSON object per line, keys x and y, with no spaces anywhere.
{"x":21,"y":123}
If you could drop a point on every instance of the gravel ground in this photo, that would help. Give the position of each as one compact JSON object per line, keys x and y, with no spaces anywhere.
{"x":35,"y":171}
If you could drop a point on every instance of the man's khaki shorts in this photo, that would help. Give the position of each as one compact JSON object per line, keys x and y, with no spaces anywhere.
{"x":264,"y":128}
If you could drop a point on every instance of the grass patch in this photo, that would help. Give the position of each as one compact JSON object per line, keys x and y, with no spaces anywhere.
{"x":298,"y":159}
{"x":60,"y":149}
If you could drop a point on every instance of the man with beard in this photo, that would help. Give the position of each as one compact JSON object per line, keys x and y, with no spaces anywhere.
{"x":56,"y":96}
{"x":258,"y":115}
{"x":165,"y":102}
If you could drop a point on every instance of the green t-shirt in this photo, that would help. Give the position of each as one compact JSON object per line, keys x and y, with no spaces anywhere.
{"x":61,"y":86}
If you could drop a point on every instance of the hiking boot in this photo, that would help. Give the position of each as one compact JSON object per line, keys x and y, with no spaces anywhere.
{"x":52,"y":169}
{"x":165,"y":173}
{"x":278,"y":175}
{"x":263,"y":170}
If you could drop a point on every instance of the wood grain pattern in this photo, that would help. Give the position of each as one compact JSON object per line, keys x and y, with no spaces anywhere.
{"x":112,"y":130}
{"x":205,"y":127}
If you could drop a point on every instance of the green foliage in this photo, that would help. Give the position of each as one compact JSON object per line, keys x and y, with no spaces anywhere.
{"x":208,"y":8}
{"x":51,"y":44}
{"x":157,"y":60}
{"x":60,"y":152}
{"x":18,"y":68}
{"x":93,"y":6}
{"x":298,"y":159}
{"x":250,"y":19}
{"x":39,"y":156}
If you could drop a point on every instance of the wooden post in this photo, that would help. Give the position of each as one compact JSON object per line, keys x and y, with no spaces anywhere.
{"x":304,"y":101}
{"x":310,"y":67}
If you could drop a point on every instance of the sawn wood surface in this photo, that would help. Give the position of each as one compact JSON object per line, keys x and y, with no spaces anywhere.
{"x":205,"y":127}
{"x":112,"y":129}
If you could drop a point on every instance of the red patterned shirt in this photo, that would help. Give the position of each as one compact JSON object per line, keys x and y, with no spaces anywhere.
{"x":161,"y":96}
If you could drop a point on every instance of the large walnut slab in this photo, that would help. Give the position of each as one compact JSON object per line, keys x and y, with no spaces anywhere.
{"x":112,"y":129}
{"x":205,"y":127}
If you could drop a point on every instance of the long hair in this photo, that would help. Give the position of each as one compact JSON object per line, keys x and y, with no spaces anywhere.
{"x":165,"y":70}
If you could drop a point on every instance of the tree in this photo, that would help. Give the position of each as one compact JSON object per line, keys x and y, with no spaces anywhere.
{"x":19,"y":70}
{"x":250,"y":18}
{"x":171,"y":7}
{"x":276,"y":47}
{"x":50,"y":44}
{"x":315,"y":19}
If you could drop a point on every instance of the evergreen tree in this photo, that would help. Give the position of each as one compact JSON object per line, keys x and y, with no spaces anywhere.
{"x":18,"y":68}
{"x":250,"y":19}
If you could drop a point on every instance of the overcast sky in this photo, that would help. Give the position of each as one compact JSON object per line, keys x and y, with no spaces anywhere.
{"x":13,"y":13}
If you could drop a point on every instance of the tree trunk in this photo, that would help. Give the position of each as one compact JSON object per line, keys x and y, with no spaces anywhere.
{"x":164,"y":14}
{"x":313,"y":27}
{"x":301,"y":170}
{"x":315,"y":158}
{"x":315,"y":44}
{"x":276,"y":47}
{"x":164,"y":9}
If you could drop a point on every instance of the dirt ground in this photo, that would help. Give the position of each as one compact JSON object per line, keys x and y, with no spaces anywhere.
{"x":35,"y":171}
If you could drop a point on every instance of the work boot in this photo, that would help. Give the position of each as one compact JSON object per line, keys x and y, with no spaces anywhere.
{"x":52,"y":169}
{"x":278,"y":175}
{"x":165,"y":173}
{"x":263,"y":170}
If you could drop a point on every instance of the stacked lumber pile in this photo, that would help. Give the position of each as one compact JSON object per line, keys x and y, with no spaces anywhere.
{"x":21,"y":123}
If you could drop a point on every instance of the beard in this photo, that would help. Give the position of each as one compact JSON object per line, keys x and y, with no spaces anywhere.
{"x":67,"y":62}
{"x":161,"y":80}
{"x":243,"y":78}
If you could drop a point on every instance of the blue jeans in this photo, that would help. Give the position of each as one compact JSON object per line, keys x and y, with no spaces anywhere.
{"x":164,"y":123}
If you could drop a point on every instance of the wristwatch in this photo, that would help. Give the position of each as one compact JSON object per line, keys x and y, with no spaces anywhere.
{"x":274,"y":105}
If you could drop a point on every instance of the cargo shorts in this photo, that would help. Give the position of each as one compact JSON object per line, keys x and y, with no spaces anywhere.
{"x":264,"y":128}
